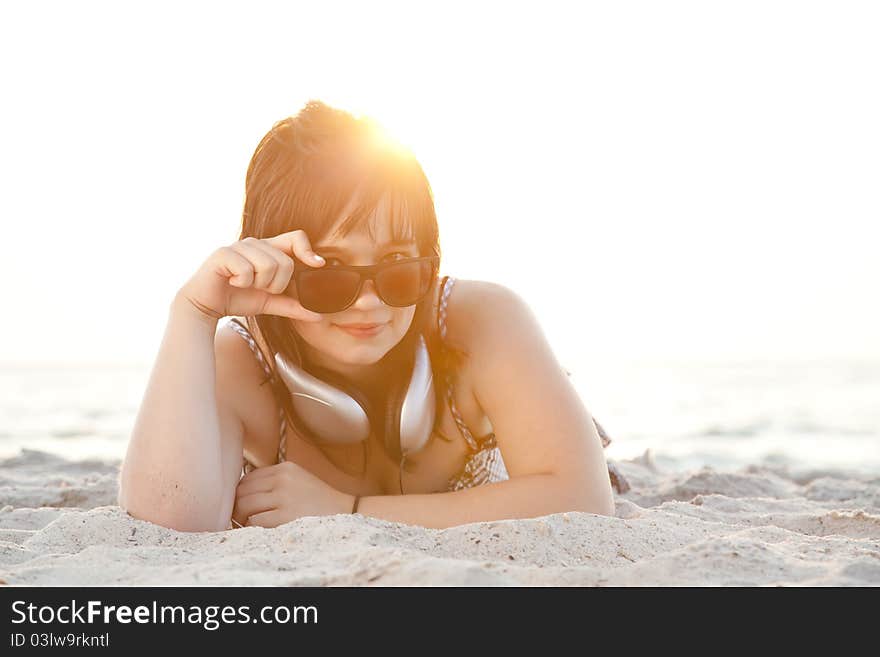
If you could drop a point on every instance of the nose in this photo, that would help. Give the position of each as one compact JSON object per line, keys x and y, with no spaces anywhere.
{"x":368,"y":298}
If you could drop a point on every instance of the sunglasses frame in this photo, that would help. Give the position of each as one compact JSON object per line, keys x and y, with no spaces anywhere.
{"x":366,"y":273}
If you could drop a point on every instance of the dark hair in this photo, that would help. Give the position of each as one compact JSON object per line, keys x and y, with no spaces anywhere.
{"x":304,"y":173}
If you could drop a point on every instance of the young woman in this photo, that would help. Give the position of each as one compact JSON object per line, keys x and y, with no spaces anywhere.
{"x":319,"y":365}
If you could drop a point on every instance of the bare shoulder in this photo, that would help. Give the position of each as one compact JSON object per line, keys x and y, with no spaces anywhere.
{"x":540,"y":422}
{"x":239,"y":385}
{"x":476,"y":309}
{"x":496,"y":327}
{"x":234,"y":355}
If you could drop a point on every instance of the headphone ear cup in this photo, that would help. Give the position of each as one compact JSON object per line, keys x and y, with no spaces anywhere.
{"x":330,"y":378}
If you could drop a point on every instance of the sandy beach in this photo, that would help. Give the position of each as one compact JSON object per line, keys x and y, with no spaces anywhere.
{"x":60,"y":526}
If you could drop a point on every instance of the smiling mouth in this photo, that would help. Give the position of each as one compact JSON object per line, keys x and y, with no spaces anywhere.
{"x":369,"y":331}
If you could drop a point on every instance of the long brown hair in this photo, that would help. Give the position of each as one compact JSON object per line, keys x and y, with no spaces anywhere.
{"x":303,"y":174}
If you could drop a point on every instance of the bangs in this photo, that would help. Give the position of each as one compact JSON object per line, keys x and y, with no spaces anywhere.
{"x":399,"y":187}
{"x":366,"y":212}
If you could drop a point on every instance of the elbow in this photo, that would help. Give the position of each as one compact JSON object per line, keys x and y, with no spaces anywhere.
{"x":176,"y":520}
{"x":597,"y":508}
{"x":172,"y":516}
{"x":142,"y":500}
{"x":604,"y":509}
{"x":598,"y":501}
{"x":603,"y":504}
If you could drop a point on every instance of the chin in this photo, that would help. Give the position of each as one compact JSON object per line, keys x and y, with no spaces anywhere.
{"x":338,"y":347}
{"x":347,"y":350}
{"x":367,"y":359}
{"x":352,"y":353}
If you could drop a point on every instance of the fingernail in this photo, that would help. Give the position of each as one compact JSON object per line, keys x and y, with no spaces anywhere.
{"x":317,"y":257}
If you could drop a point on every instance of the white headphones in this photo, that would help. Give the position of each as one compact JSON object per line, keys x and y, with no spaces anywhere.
{"x":332,"y":410}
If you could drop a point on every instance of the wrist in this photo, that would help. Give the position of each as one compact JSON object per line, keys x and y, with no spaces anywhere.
{"x":182,"y":305}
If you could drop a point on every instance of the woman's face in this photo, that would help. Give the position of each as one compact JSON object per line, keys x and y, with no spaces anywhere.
{"x":328,"y":344}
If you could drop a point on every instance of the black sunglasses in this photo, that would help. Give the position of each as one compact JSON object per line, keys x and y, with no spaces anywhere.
{"x":333,"y":288}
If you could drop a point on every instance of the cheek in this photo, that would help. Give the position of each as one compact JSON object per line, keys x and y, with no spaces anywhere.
{"x":402,"y":320}
{"x":316,"y":334}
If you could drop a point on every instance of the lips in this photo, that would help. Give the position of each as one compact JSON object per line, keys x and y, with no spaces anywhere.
{"x":373,"y":330}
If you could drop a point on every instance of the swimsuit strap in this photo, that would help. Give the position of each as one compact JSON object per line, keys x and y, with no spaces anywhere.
{"x":446,"y":290}
{"x":242,"y":330}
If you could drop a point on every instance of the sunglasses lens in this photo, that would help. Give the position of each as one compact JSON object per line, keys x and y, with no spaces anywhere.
{"x":404,"y":284}
{"x":327,"y":291}
{"x":330,"y":291}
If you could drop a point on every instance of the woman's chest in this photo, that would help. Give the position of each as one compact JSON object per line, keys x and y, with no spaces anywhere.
{"x":427,"y":471}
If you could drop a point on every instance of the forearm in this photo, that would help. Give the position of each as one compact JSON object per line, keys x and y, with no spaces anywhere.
{"x":528,"y":496}
{"x":170,"y":474}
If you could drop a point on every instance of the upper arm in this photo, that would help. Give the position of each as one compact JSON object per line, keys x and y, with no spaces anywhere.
{"x":540,"y":422}
{"x":233,"y":372}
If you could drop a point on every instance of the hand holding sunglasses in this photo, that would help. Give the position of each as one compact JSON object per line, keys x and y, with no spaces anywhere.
{"x":333,"y":288}
{"x":250,"y":277}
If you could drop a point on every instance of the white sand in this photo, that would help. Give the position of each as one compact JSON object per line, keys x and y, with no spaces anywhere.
{"x":59,"y":525}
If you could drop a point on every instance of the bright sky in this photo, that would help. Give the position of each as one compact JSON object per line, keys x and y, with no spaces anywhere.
{"x":662,"y":180}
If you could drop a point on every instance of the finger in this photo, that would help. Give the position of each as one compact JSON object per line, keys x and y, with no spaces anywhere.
{"x":265,"y":265}
{"x":296,"y":243}
{"x":263,"y":485}
{"x":285,"y":306}
{"x":268,"y":519}
{"x":284,"y":263}
{"x":238,"y":269}
{"x":250,"y":504}
{"x":265,"y":471}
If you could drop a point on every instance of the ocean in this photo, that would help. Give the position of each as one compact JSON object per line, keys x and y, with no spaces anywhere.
{"x":801,"y":415}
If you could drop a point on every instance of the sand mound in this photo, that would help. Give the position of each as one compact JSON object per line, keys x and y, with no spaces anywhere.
{"x":754,"y":527}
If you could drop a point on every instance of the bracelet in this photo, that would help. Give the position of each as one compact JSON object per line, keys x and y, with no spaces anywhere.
{"x":357,"y":499}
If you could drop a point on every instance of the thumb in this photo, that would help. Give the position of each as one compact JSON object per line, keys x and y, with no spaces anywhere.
{"x":286,"y":306}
